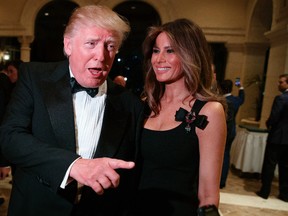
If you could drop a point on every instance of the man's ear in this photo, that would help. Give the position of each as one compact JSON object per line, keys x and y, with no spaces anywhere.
{"x":67,"y":46}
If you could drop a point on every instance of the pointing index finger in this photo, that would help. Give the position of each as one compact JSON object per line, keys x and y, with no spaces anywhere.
{"x":121,"y":164}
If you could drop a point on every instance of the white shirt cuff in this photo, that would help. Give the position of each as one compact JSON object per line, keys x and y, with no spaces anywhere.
{"x":65,"y":179}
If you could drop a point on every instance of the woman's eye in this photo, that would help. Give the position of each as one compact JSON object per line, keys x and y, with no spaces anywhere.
{"x":170,"y":51}
{"x":155,"y":50}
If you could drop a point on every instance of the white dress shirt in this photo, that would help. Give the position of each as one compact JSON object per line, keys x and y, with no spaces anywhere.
{"x":88,"y":118}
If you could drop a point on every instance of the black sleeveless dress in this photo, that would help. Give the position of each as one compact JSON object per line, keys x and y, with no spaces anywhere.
{"x":169,"y":178}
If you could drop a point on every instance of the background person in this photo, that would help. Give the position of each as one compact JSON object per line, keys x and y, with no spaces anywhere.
{"x":8,"y":78}
{"x":233,"y":103}
{"x":12,"y":68}
{"x":276,"y":151}
{"x":59,"y":136}
{"x":120,"y":80}
{"x":181,"y":150}
{"x":5,"y":90}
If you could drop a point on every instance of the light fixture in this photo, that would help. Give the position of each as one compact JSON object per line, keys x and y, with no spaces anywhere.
{"x":6,"y":56}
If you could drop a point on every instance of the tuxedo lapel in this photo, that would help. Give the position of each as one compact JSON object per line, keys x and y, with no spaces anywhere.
{"x":58,"y":99}
{"x":113,"y":129}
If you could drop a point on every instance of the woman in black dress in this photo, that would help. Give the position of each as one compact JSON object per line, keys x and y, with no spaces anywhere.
{"x":184,"y":133}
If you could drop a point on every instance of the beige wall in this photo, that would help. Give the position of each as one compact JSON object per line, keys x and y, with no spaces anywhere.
{"x":224,"y":14}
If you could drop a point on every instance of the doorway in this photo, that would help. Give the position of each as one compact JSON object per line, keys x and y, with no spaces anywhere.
{"x":128,"y":61}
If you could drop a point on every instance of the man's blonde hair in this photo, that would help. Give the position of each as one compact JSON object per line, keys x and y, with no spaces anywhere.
{"x":99,"y":16}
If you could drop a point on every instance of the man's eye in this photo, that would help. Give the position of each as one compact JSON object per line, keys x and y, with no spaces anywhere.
{"x":90,"y":44}
{"x":111,"y":47}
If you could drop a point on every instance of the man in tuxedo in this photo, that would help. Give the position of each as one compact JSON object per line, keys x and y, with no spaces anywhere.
{"x":276,"y":151}
{"x":74,"y":148}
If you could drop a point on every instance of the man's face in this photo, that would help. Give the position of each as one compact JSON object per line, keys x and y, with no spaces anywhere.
{"x":282,"y":84}
{"x":91,"y":52}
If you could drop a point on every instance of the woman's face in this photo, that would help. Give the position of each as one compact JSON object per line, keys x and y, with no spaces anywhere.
{"x":165,"y":62}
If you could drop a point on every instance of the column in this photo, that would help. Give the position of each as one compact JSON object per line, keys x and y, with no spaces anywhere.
{"x":25,"y":42}
{"x":277,"y":64}
{"x":253,"y":71}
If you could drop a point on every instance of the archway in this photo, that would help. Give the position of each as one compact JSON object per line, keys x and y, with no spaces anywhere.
{"x":128,"y":61}
{"x":49,"y":26}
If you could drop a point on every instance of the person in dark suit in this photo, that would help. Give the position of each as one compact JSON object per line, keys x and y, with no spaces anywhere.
{"x":8,"y":79}
{"x":5,"y":90}
{"x":276,"y":151}
{"x":74,"y":148}
{"x":233,"y":103}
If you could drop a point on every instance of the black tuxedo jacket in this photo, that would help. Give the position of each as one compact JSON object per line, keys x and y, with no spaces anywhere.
{"x":277,"y":122}
{"x":38,"y":136}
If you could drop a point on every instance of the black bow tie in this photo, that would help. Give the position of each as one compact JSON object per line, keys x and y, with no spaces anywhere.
{"x":76,"y":87}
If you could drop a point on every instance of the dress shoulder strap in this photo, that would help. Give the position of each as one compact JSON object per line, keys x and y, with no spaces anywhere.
{"x":197,"y":106}
{"x":200,"y":120}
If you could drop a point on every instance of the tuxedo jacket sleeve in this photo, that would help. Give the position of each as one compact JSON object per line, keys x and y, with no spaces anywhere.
{"x":38,"y":135}
{"x":37,"y":132}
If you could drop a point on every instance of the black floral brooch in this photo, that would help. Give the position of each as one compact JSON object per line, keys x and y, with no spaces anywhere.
{"x":200,"y":121}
